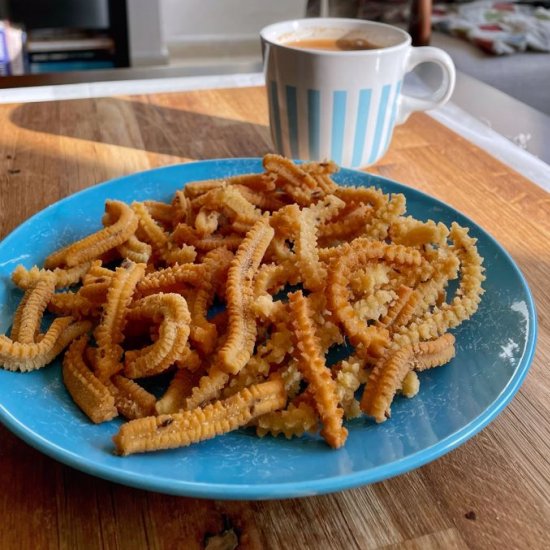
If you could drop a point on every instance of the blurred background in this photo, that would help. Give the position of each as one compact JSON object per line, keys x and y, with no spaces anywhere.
{"x":63,"y":35}
{"x":504,"y":43}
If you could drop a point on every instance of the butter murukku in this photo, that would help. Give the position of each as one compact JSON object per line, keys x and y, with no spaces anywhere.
{"x":240,"y":294}
{"x":203,"y":332}
{"x":209,"y":387}
{"x":298,"y":184}
{"x":173,"y":313}
{"x":369,"y":339}
{"x":161,"y":212}
{"x":311,"y":362}
{"x":179,"y":389}
{"x":170,"y":278}
{"x":186,"y":235}
{"x":28,"y":318}
{"x":167,"y":431}
{"x":349,"y":223}
{"x":228,"y":200}
{"x":155,"y":235}
{"x":131,"y":400}
{"x":87,"y":391}
{"x":388,"y":376}
{"x":135,"y":250}
{"x":96,"y":244}
{"x":26,"y":357}
{"x":206,"y":221}
{"x":401,"y":309}
{"x":292,"y":422}
{"x":74,"y":304}
{"x":64,"y":277}
{"x":264,"y":202}
{"x":307,"y":255}
{"x":194,"y":293}
{"x":109,"y":334}
{"x":348,"y":380}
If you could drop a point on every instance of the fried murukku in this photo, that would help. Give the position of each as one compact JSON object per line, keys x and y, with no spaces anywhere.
{"x":209,"y":387}
{"x":240,"y":295}
{"x":227,"y":200}
{"x":263,"y":202}
{"x":196,"y":290}
{"x":206,"y":221}
{"x":87,"y":391}
{"x":135,"y":250}
{"x":186,"y":235}
{"x":464,"y":304}
{"x":181,"y":208}
{"x":388,"y":376}
{"x":27,"y":319}
{"x":292,"y":422}
{"x":28,"y":278}
{"x":74,"y":304}
{"x":131,"y":400}
{"x":350,"y":222}
{"x":96,"y":244}
{"x":298,"y":184}
{"x":368,"y":339}
{"x":109,"y":334}
{"x":255,"y":371}
{"x":374,"y":305}
{"x":305,"y":245}
{"x":161,"y":212}
{"x":179,"y":389}
{"x":203,"y":332}
{"x":170,"y":278}
{"x":173,"y":313}
{"x":168,"y":431}
{"x":402,"y":308}
{"x":154,"y":234}
{"x":16,"y":356}
{"x":149,"y":230}
{"x":348,"y":380}
{"x":311,"y":362}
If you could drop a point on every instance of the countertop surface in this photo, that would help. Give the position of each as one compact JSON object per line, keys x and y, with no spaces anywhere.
{"x":492,"y":492}
{"x":510,"y":130}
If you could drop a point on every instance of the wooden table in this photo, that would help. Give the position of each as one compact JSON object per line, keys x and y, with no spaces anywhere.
{"x":493,"y":492}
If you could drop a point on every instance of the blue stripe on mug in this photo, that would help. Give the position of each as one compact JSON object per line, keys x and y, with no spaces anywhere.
{"x":339,"y":98}
{"x":314,"y":122}
{"x":382,"y":107}
{"x":389,"y":131}
{"x":292,"y":118}
{"x":276,"y":116}
{"x":361,"y":126}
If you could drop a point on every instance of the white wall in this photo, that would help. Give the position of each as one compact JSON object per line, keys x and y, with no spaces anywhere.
{"x":154,"y":24}
{"x":147,"y":44}
{"x":196,"y":20}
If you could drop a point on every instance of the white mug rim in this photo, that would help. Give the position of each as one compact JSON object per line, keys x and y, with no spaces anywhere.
{"x":333,"y":21}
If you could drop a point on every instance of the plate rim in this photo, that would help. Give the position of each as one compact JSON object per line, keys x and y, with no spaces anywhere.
{"x":301,"y":488}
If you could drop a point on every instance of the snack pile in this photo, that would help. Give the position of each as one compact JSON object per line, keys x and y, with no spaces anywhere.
{"x":237,"y":290}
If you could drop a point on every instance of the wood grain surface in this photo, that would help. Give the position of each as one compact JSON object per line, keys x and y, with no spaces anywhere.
{"x":492,"y":492}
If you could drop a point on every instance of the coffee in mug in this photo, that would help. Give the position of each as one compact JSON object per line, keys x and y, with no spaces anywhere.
{"x":335,"y":87}
{"x":344,"y":44}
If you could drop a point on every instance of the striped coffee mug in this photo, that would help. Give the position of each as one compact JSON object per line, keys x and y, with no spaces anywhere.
{"x":343,"y":105}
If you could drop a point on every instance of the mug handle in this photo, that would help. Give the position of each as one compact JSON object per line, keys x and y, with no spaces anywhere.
{"x":427,"y":54}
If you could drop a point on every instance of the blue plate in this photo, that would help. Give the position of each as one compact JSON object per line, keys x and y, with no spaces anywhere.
{"x":494,"y":351}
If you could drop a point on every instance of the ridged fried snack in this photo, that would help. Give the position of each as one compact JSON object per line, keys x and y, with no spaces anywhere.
{"x":235,"y":292}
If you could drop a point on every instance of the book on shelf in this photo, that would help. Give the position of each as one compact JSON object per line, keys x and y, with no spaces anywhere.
{"x":55,"y":51}
{"x":78,"y":55}
{"x":69,"y":65}
{"x":69,"y":44}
